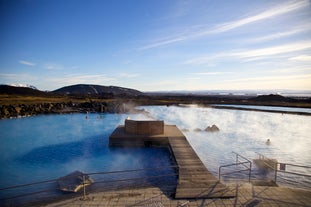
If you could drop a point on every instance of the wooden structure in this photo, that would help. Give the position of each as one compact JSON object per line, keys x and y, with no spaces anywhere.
{"x":194,"y":180}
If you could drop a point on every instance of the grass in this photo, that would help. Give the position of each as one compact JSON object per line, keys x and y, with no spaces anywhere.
{"x":18,"y":99}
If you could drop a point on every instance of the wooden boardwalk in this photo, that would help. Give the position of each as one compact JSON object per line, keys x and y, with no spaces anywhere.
{"x":194,"y":180}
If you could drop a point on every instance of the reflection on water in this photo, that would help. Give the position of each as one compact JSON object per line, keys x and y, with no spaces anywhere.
{"x":49,"y":146}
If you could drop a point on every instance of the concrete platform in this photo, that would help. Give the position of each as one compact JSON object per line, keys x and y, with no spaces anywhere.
{"x":120,"y":138}
{"x":246,"y":195}
{"x":194,"y":180}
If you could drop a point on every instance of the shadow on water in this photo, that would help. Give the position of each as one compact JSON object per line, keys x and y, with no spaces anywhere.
{"x":92,"y":148}
{"x":66,"y":152}
{"x":96,"y":149}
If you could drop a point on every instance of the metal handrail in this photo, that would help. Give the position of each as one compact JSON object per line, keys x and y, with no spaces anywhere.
{"x":172,"y":174}
{"x":248,"y":168}
{"x":28,"y":184}
{"x":277,"y":168}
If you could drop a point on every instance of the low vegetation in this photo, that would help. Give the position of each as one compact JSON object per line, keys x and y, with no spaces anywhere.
{"x":16,"y":102}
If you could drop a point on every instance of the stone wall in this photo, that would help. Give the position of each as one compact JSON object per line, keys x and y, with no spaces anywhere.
{"x":144,"y":127}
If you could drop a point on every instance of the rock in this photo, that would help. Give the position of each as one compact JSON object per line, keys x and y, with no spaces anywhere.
{"x":73,"y":182}
{"x":197,"y":130}
{"x":212,"y":128}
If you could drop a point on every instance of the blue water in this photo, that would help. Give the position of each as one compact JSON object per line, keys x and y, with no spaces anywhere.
{"x":272,"y":108}
{"x":50,"y":146}
{"x":244,"y":132}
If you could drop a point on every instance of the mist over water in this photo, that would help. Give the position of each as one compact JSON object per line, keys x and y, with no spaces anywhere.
{"x":244,"y":132}
{"x":50,"y":146}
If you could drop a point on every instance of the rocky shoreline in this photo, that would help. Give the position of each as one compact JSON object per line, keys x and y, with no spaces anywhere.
{"x":24,"y":110}
{"x":16,"y":105}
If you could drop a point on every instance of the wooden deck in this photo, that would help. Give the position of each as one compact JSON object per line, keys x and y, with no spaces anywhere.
{"x":194,"y":180}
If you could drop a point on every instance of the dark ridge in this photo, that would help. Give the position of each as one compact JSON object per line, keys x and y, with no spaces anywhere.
{"x":13,"y":90}
{"x":272,"y":98}
{"x":97,"y":90}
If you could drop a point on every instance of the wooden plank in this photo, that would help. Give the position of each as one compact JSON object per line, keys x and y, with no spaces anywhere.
{"x":194,"y":179}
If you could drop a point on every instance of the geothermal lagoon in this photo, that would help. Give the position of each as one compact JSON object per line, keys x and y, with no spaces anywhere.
{"x":50,"y":146}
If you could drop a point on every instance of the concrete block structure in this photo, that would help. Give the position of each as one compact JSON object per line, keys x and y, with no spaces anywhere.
{"x":144,"y":127}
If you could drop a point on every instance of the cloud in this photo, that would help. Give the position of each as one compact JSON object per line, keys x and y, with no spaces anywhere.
{"x":15,"y":75}
{"x":23,"y":62}
{"x":277,"y":35}
{"x":129,"y":75}
{"x":276,"y":11}
{"x":212,"y":73}
{"x":199,"y":31}
{"x":252,"y":55}
{"x":274,"y":50}
{"x":16,"y":78}
{"x":303,"y":58}
{"x":53,"y":66}
{"x":101,"y":79}
{"x":271,"y":78}
{"x":277,"y":81}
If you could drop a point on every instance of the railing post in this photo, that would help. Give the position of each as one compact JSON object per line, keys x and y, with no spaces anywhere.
{"x":250,"y":171}
{"x":219,"y":173}
{"x":275,"y":172}
{"x":84,"y":197}
{"x":84,"y":193}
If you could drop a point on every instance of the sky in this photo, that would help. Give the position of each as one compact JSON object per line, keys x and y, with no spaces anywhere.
{"x":157,"y":45}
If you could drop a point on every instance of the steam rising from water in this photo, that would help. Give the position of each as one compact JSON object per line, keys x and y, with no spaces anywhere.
{"x":244,"y":132}
{"x":50,"y":146}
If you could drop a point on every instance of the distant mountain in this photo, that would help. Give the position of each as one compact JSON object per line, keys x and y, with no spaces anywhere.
{"x":272,"y":97}
{"x":23,"y":85}
{"x":88,"y":89}
{"x":20,"y":90}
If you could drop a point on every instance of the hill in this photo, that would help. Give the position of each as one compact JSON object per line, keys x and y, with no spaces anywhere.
{"x":272,"y":98}
{"x":18,"y":90}
{"x":96,"y":90}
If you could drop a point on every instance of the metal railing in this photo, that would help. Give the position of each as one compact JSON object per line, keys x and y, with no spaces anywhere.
{"x":242,"y":162}
{"x":103,"y":181}
{"x":284,"y":168}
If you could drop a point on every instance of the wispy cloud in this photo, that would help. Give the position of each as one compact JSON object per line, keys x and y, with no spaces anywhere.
{"x":23,"y":62}
{"x":212,"y":73}
{"x":267,"y":78}
{"x":276,"y":11}
{"x":82,"y":78}
{"x":270,"y":82}
{"x":224,"y":27}
{"x":251,"y":55}
{"x":303,"y":58}
{"x":17,"y":78}
{"x":278,"y":35}
{"x":53,"y":66}
{"x":274,"y":50}
{"x":129,"y":75}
